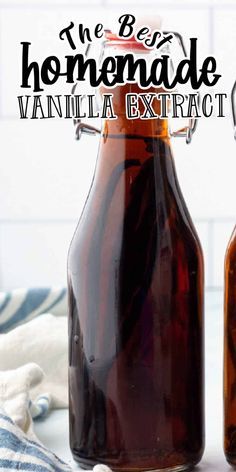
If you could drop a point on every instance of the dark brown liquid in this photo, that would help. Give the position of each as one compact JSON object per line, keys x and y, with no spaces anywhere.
{"x":135,"y":274}
{"x":230,"y":353}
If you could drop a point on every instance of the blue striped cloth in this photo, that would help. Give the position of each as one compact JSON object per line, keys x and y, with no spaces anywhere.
{"x":22,"y":305}
{"x":17,"y":452}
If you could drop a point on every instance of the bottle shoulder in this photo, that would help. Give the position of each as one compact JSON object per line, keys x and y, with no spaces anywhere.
{"x":136,"y":192}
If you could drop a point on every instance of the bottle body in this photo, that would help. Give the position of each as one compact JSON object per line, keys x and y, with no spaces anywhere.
{"x":230,"y":352}
{"x":135,"y":276}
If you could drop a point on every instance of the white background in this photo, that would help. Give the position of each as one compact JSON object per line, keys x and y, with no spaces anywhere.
{"x":45,"y":174}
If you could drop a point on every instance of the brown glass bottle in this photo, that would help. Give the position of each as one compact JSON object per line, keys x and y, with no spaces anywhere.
{"x":230,"y":353}
{"x":135,"y":278}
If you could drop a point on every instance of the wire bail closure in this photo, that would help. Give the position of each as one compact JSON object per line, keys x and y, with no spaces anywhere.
{"x":188,"y":131}
{"x":185,"y":132}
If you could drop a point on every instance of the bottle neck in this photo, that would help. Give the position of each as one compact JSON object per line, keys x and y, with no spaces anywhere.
{"x":122,"y":125}
{"x":149,"y":128}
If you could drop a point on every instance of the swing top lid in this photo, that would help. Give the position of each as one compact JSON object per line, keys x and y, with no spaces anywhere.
{"x":154,"y":23}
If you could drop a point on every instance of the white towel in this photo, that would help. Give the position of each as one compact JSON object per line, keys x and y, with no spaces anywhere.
{"x":42,"y":341}
{"x":15,"y":399}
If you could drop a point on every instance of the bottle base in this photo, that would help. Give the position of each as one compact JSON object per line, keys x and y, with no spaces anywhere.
{"x":88,"y":464}
{"x":231,"y":459}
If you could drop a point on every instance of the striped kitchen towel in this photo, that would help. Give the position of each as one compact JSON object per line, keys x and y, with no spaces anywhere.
{"x":18,"y":452}
{"x":21,"y":305}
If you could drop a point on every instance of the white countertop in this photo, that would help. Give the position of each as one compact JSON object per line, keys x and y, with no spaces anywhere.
{"x":53,"y":431}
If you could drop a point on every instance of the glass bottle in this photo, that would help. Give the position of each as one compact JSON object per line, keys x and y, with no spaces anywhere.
{"x":135,"y":279}
{"x":230,"y":352}
{"x":230,"y":339}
